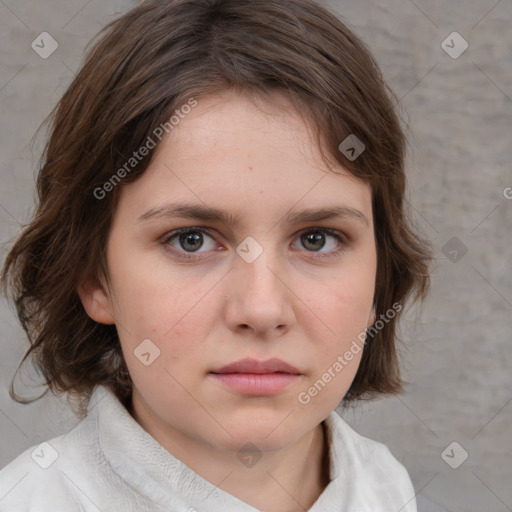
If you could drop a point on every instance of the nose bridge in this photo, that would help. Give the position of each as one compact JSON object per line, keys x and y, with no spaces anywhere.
{"x":259,"y":297}
{"x":259,"y":266}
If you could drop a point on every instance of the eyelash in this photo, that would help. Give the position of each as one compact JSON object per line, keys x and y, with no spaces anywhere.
{"x":340,"y":237}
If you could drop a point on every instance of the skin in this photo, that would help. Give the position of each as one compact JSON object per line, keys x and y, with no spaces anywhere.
{"x":289,"y":303}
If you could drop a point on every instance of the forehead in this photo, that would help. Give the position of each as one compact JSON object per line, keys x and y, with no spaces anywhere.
{"x":266,"y":126}
{"x":234,"y":154}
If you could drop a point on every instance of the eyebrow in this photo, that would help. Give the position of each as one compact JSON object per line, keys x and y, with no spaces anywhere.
{"x":211,"y":214}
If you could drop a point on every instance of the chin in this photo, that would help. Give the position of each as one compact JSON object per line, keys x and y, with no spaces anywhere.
{"x":268,"y":434}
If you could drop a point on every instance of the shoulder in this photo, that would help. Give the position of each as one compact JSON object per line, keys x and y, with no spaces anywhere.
{"x":371,"y":467}
{"x":43,"y":477}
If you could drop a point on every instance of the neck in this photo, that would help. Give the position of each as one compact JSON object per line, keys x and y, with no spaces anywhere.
{"x":289,"y":480}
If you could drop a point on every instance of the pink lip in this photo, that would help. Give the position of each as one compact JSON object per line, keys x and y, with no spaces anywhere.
{"x":251,"y":377}
{"x":256,"y":384}
{"x":253,"y":366}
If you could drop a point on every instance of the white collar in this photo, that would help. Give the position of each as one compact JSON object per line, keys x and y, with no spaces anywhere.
{"x":156,"y":473}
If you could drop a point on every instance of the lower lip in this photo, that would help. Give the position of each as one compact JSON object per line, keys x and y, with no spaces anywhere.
{"x":256,"y":384}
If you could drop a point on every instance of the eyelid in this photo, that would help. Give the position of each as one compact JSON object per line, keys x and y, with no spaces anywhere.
{"x":165,"y":239}
{"x":343,"y":240}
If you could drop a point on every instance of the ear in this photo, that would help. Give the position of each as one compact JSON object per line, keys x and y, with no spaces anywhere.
{"x":371,"y":317}
{"x":96,"y":301}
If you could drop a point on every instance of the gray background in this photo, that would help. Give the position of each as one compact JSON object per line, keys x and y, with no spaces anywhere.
{"x":458,"y":345}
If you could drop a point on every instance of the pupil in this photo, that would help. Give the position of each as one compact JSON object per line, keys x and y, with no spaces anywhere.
{"x":314,"y":237}
{"x":195,"y":240}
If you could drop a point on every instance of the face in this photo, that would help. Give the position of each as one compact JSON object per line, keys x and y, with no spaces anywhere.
{"x":273,"y":284}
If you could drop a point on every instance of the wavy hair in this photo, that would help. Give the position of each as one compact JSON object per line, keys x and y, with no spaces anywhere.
{"x":142,"y":67}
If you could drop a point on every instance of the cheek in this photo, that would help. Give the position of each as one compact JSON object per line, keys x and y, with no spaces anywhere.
{"x":152,"y":299}
{"x":176,"y":351}
{"x":338,"y":329}
{"x":175,"y":312}
{"x":342,"y":305}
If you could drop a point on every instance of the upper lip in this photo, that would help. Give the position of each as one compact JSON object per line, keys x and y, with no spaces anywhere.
{"x":253,"y":366}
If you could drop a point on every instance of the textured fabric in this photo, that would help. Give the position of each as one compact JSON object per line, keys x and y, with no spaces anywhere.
{"x":109,"y":463}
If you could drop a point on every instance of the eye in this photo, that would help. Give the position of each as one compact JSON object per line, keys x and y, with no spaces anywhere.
{"x":186,"y":242}
{"x":188,"y":239}
{"x":314,"y":241}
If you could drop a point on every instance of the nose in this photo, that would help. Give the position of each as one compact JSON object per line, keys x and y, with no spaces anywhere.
{"x":259,"y":300}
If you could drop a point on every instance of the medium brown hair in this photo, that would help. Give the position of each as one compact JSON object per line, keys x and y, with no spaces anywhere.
{"x":145,"y":65}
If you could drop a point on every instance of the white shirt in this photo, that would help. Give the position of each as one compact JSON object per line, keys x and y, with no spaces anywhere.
{"x":109,"y":463}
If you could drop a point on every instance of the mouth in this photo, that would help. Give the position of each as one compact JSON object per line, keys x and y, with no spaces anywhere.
{"x":252,"y":377}
{"x":258,"y":367}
